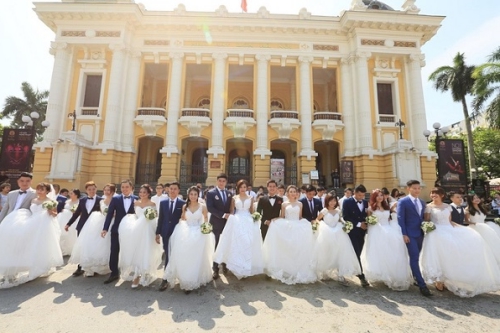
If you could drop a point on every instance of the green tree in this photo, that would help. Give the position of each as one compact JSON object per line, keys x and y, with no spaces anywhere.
{"x":15,"y":108}
{"x":459,"y":81}
{"x":487,"y":89}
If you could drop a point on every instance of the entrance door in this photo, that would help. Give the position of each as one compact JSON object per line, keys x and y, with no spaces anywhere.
{"x":239,"y":166}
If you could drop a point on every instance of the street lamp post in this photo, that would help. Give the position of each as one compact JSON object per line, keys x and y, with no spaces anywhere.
{"x":401,"y":125}
{"x":439,"y":133}
{"x":30,"y":122}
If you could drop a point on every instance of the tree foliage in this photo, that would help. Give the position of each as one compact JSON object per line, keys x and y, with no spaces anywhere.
{"x":487,"y":89}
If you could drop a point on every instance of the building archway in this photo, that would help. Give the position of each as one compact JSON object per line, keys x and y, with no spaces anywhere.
{"x":284,"y":160}
{"x":148,"y":168}
{"x":239,"y":160}
{"x":328,"y":160}
{"x":194,"y":161}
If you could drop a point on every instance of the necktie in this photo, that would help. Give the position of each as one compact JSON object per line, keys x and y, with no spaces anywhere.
{"x":172,"y":206}
{"x":223,"y":196}
{"x":311,"y":205}
{"x":415,"y":202}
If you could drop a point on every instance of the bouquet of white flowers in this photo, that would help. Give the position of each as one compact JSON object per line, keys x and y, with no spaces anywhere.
{"x":497,"y":220}
{"x":206,"y":228}
{"x":428,"y":226}
{"x":150,"y":213}
{"x":371,"y":220}
{"x":73,"y":208}
{"x":347,"y":226}
{"x":49,"y":205}
{"x":256,"y":216}
{"x":315,"y":226}
{"x":105,"y":211}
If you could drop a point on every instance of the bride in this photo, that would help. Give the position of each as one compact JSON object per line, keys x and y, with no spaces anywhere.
{"x":191,"y":251}
{"x":68,"y":239}
{"x":240,"y":245}
{"x":456,"y":256}
{"x":140,"y":255}
{"x":385,"y":257}
{"x":29,"y":245}
{"x":288,"y":248}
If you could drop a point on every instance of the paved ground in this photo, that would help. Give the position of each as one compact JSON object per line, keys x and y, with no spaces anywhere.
{"x":61,"y":303}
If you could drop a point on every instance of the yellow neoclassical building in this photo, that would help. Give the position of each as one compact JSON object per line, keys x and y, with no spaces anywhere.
{"x":181,"y":95}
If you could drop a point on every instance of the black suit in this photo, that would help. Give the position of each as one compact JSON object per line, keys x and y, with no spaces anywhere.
{"x":168,"y":218}
{"x":81,"y":211}
{"x":306,"y":208}
{"x":352,"y":213}
{"x":458,"y":216}
{"x":217,"y":208}
{"x":268,"y":212}
{"x":61,"y":200}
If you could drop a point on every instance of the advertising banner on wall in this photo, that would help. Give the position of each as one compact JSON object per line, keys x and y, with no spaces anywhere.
{"x":451,"y":165}
{"x":346,"y":172}
{"x":16,"y":153}
{"x":278,"y":170}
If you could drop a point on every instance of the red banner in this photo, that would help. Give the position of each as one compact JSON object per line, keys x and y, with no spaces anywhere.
{"x":16,"y":153}
{"x":451,"y":165}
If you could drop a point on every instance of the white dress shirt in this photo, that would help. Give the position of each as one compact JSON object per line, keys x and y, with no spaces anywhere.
{"x":19,"y":201}
{"x":127,"y":202}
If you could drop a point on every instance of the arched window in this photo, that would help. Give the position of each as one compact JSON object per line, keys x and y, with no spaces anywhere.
{"x":315,"y":106}
{"x":277,"y":104}
{"x":240,"y":103}
{"x":239,"y":165}
{"x":203,"y":103}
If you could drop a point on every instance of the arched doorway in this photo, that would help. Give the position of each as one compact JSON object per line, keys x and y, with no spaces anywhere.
{"x":284,"y":152}
{"x":327,"y":160}
{"x":148,"y":160}
{"x":194,"y":161}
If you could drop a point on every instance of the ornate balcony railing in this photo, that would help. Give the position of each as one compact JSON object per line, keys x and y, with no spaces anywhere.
{"x":90,"y":111}
{"x":145,"y":111}
{"x":387,"y":118}
{"x":240,"y":113}
{"x":325,"y":115}
{"x":195,"y":112}
{"x":284,"y":114}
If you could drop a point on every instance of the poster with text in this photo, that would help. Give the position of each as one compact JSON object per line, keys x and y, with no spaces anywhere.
{"x":278,"y":170}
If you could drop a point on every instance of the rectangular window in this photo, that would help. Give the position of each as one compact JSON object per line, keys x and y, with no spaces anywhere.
{"x":92,"y":91}
{"x":384,"y":96}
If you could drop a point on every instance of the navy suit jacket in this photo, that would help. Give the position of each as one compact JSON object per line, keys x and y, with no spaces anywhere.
{"x":61,"y":200}
{"x":306,"y":210}
{"x":116,"y":209}
{"x":168,"y":220}
{"x":351,"y":212}
{"x":409,"y":219}
{"x":81,"y":211}
{"x":217,"y":208}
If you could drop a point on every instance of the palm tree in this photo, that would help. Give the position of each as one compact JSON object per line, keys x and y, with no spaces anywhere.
{"x":459,"y":81}
{"x":487,"y":89}
{"x":16,"y":108}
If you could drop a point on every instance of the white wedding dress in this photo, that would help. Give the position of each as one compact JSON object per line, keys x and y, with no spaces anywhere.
{"x":240,"y":245}
{"x":190,"y":253}
{"x":140,"y":255}
{"x":458,"y":257}
{"x":29,"y":246}
{"x":91,"y":251}
{"x":288,"y":248}
{"x":333,"y":251}
{"x":385,"y":256}
{"x":68,"y":238}
{"x":487,"y":232}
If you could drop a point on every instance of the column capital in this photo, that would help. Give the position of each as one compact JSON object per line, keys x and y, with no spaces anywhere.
{"x":219,"y":56}
{"x":418,"y":58}
{"x":57,"y":46}
{"x":134,"y":53}
{"x":362,"y":56}
{"x":117,"y":47}
{"x":263,"y":57}
{"x":306,"y":59}
{"x":176,"y":55}
{"x":346,"y":61}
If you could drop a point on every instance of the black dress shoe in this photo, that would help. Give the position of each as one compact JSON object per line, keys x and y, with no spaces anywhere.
{"x":425,"y":292}
{"x":78,"y":272}
{"x":364,"y":283}
{"x":224,"y":269}
{"x":163,"y":285}
{"x":215,"y":275}
{"x":111,"y":278}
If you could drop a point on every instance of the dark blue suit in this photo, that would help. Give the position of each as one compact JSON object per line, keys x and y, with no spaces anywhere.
{"x":116,"y":209}
{"x":168,"y":218}
{"x":352,"y":213}
{"x":81,"y":211}
{"x":217,"y":208}
{"x":410,"y":221}
{"x":61,"y":200}
{"x":306,"y":209}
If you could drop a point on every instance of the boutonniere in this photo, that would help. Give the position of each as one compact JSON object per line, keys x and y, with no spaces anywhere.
{"x":229,"y":195}
{"x":278,"y":202}
{"x":216,"y":197}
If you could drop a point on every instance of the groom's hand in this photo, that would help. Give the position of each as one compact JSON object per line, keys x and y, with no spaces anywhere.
{"x":103,"y":233}
{"x":157,"y":239}
{"x":363,"y":226}
{"x":66,"y":227}
{"x":406,"y":239}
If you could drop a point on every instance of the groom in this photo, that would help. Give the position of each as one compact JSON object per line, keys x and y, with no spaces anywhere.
{"x":410,"y":212}
{"x":169,"y":214}
{"x":119,"y":206}
{"x":219,"y":206}
{"x":269,"y":206}
{"x":20,"y":198}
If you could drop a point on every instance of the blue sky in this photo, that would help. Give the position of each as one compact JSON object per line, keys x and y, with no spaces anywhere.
{"x":470,"y":27}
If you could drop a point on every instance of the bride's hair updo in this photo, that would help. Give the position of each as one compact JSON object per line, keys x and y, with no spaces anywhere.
{"x":239,"y":184}
{"x":43,"y":186}
{"x":192,"y":189}
{"x":147,"y":188}
{"x":290,"y":187}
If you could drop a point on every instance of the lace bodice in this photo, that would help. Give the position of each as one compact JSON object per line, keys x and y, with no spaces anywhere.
{"x":292,"y":212}
{"x":329,"y":218}
{"x":194,"y":219}
{"x":242,"y":206}
{"x":36,"y":208}
{"x":439,"y":215}
{"x":382,"y":216}
{"x":478,"y":218}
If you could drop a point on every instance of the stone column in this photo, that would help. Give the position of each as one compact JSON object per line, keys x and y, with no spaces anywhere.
{"x":217,"y":104}
{"x":55,"y":114}
{"x":130,"y":104}
{"x":154,"y":89}
{"x":187,"y":94}
{"x":113,"y":105}
{"x":293,"y":96}
{"x":364,"y":114}
{"x":262,"y":105}
{"x":305,"y":107}
{"x":348,"y":107}
{"x":326,"y":100}
{"x":174,"y":104}
{"x":417,"y":110}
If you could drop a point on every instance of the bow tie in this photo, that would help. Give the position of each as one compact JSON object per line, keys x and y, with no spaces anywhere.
{"x":90,"y":198}
{"x":360,"y":202}
{"x":272,"y":197}
{"x":127,"y":197}
{"x":22,"y":192}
